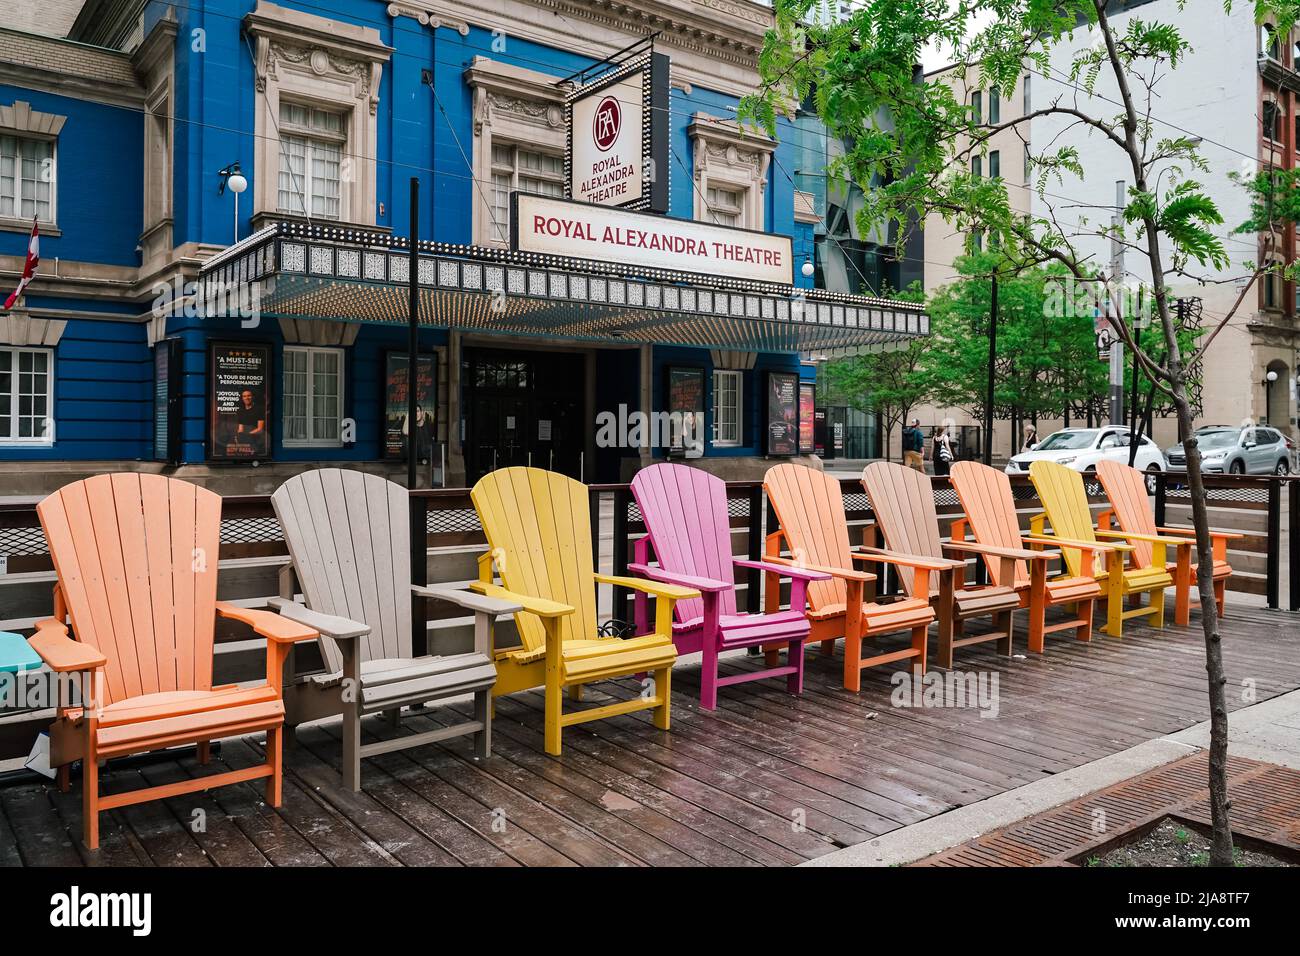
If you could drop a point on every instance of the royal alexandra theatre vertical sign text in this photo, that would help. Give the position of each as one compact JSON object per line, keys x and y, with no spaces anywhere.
{"x":618,"y":137}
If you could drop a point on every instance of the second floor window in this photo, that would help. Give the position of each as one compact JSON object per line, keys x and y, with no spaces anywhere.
{"x":312,"y":143}
{"x":525,"y":170}
{"x":26,"y":178}
{"x":995,"y":164}
{"x":977,"y":166}
{"x":995,"y":106}
{"x":1271,"y":116}
{"x":977,"y":108}
{"x":725,"y":206}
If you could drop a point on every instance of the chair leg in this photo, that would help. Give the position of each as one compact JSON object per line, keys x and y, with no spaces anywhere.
{"x":65,"y":778}
{"x":663,"y":688}
{"x":1158,"y":602}
{"x":204,"y":752}
{"x":794,"y":682}
{"x":575,"y":693}
{"x":828,"y":648}
{"x":1084,"y":610}
{"x":351,"y":767}
{"x":945,"y":634}
{"x":853,"y":638}
{"x":709,"y":675}
{"x":1005,"y":622}
{"x":90,"y":801}
{"x":920,"y":643}
{"x":771,"y":657}
{"x":483,"y":714}
{"x":394,"y":717}
{"x":1220,"y":590}
{"x":274,"y":760}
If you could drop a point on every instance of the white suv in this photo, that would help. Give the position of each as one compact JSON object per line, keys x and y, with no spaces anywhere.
{"x":1082,"y":448}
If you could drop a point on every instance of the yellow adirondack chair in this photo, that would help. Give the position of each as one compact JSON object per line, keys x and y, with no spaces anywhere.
{"x":1065,"y":507}
{"x":538,"y":526}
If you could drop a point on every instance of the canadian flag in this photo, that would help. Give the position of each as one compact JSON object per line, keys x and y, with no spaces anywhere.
{"x":29,"y":268}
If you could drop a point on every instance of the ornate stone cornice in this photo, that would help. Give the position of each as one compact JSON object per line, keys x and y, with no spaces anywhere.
{"x":313,"y":43}
{"x":714,"y":43}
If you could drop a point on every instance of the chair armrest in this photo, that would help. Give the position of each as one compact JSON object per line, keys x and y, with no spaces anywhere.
{"x":843,"y":574}
{"x":907,"y":560}
{"x":789,"y":570}
{"x":61,"y":653}
{"x":1018,"y":554}
{"x":281,"y":628}
{"x":533,"y":605}
{"x":1094,"y":547}
{"x":1135,"y":536}
{"x":682,"y":580}
{"x":466,"y":599}
{"x":339,"y":628}
{"x":1191,"y":533}
{"x":658,"y":589}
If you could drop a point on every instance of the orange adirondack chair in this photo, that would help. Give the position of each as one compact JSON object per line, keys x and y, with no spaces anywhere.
{"x":990,"y":515}
{"x":810,"y":508}
{"x":136,"y":557}
{"x":1130,"y":511}
{"x":903,"y":502}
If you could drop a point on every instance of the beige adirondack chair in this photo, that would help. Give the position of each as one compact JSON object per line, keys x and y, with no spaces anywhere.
{"x":349,"y":539}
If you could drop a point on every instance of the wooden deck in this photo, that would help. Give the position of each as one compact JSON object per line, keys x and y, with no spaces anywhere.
{"x":767,"y":779}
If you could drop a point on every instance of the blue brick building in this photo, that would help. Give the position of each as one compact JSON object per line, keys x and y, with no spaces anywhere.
{"x":123,"y":132}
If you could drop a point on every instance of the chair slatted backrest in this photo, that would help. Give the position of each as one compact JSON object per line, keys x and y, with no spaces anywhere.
{"x":349,"y":536}
{"x":989,"y":506}
{"x":810,"y":508}
{"x":685,"y":513}
{"x":1127,"y":490}
{"x":1065,"y":500}
{"x":136,"y":557}
{"x":902,"y":499}
{"x":538,"y":526}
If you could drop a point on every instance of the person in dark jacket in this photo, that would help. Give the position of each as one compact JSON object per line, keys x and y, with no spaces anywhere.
{"x":914,"y":446}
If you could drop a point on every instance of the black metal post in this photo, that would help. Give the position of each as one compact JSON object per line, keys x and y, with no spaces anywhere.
{"x":1162,"y":497}
{"x":1293,"y":523}
{"x":1137,"y":374}
{"x":622,"y":498}
{"x":1275,"y":543}
{"x":755,"y":550}
{"x":413,"y":332}
{"x":418,"y":506}
{"x":993,"y":354}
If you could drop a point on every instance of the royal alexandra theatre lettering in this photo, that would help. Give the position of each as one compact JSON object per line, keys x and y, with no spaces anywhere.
{"x":557,"y":227}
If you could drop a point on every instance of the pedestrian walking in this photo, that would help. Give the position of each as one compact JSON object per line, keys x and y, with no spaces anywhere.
{"x":914,"y":446}
{"x":942,"y":451}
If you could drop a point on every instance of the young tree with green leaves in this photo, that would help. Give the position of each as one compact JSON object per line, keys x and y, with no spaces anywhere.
{"x":889,"y":383}
{"x":915,"y":138}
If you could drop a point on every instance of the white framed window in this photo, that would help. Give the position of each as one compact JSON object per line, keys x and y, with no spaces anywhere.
{"x":26,"y":396}
{"x":313,"y":396}
{"x":525,"y":170}
{"x":27,"y":174}
{"x":312,"y":144}
{"x":726,"y":206}
{"x":727,"y":394}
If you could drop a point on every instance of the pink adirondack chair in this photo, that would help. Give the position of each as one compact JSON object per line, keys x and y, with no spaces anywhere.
{"x":685,"y":513}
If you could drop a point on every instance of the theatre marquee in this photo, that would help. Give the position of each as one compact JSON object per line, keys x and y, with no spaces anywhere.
{"x":545,"y":226}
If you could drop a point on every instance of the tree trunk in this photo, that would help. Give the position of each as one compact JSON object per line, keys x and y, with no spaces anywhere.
{"x":1221,"y":840}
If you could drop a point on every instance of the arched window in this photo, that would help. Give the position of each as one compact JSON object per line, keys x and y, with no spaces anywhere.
{"x":1268,"y":42}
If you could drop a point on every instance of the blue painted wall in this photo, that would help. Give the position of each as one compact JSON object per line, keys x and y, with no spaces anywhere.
{"x":104,"y":369}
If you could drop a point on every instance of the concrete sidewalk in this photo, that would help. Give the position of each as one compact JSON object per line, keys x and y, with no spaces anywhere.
{"x":1269,"y":731}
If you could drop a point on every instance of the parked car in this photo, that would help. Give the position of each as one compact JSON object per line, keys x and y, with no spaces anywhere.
{"x":1253,"y":450}
{"x":1082,"y":448}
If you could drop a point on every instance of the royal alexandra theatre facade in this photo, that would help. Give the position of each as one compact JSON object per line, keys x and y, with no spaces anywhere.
{"x":609,"y":268}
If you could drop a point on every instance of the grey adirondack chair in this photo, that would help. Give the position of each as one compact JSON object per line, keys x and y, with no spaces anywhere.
{"x":349,"y":540}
